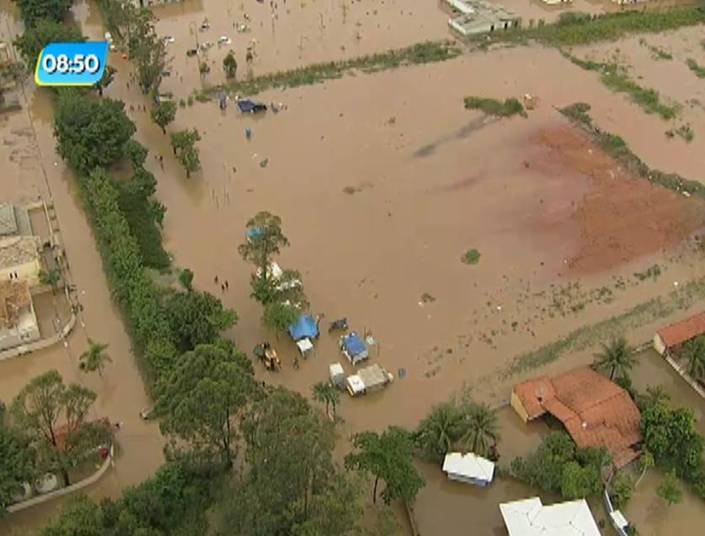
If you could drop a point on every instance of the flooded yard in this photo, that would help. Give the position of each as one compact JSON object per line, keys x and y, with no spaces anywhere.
{"x":383,"y":182}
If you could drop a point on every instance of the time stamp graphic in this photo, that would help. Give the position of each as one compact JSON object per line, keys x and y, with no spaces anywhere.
{"x":71,"y":64}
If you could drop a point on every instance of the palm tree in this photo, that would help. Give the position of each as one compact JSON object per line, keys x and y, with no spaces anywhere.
{"x":480,"y":432}
{"x":439,"y":431}
{"x":694,"y":352}
{"x":95,"y":358}
{"x":328,"y":394}
{"x":655,"y":394}
{"x":617,"y":357}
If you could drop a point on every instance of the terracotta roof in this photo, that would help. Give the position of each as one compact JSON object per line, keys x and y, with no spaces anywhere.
{"x":595,"y":411}
{"x":683,"y":331}
{"x":14,"y":296}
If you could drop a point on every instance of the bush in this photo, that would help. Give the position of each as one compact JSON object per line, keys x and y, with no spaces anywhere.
{"x":495,"y":107}
{"x":471,"y":256}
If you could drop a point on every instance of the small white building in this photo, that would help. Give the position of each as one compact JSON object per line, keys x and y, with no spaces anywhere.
{"x":469,"y":468}
{"x":530,"y":517}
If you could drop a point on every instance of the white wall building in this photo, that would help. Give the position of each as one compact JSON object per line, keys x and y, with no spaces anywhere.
{"x":469,"y":468}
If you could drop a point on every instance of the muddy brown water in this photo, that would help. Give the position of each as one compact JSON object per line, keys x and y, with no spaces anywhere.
{"x":428,"y":180}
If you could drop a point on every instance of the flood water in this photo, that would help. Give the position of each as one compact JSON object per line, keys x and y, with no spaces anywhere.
{"x":382,"y":181}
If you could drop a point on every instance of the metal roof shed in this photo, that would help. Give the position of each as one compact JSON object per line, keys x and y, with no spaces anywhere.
{"x":529,"y":517}
{"x":469,"y":468}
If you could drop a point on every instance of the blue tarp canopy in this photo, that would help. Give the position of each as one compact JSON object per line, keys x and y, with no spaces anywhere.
{"x":304,"y":327}
{"x":354,"y":345}
{"x":254,"y":232}
{"x":247,"y":105}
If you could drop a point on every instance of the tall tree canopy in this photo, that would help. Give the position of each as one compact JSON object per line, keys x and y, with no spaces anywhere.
{"x":196,"y":318}
{"x":266,"y":240}
{"x":35,"y":38}
{"x":388,"y":457}
{"x":203,"y":399}
{"x":35,"y":10}
{"x":617,"y":357}
{"x":91,"y":133}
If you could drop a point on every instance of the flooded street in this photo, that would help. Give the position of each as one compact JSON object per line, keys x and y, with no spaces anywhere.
{"x":383,"y":182}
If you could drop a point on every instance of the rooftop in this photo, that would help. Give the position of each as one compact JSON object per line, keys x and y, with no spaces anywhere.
{"x":683,"y":331}
{"x":14,"y":296}
{"x":595,"y":411}
{"x":17,"y":250}
{"x":468,"y":465}
{"x":529,"y":517}
{"x":8,"y":223}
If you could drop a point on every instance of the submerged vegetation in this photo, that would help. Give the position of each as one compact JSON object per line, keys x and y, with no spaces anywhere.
{"x":582,"y":29}
{"x":506,"y":108}
{"x":428,"y":52}
{"x":694,"y":66}
{"x":471,"y":256}
{"x":616,"y":78}
{"x":656,"y":52}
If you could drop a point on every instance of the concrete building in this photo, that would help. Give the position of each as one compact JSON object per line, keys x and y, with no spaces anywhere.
{"x":480,"y":16}
{"x":18,"y":322}
{"x":14,"y":220}
{"x":469,"y":468}
{"x":530,"y":517}
{"x":19,"y":259}
{"x":595,"y":411}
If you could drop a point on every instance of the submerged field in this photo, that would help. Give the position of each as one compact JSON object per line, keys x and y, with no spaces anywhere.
{"x":383,"y":182}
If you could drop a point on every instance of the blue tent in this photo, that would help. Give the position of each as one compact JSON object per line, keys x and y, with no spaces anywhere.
{"x":254,"y":232}
{"x":354,"y":346}
{"x":304,"y":327}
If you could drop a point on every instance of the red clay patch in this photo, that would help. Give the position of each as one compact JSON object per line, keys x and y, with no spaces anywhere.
{"x":620,"y":217}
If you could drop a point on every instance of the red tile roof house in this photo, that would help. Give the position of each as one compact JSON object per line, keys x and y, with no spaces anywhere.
{"x":671,"y":337}
{"x":595,"y":411}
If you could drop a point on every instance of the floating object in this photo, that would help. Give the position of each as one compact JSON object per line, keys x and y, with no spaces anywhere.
{"x":250,"y":106}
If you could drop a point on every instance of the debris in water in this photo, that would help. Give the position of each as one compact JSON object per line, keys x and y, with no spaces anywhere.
{"x":427,"y":298}
{"x":263,"y":163}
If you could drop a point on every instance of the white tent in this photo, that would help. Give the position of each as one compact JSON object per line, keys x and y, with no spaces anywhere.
{"x":469,"y":468}
{"x":529,"y":517}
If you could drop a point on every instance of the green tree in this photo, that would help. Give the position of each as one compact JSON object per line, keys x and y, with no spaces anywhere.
{"x":670,"y":436}
{"x":80,"y":517}
{"x":480,"y":429}
{"x":290,"y":470}
{"x":646,"y":462}
{"x":579,"y":482}
{"x":335,"y":510}
{"x":146,"y":48}
{"x":230,"y":65}
{"x":142,"y":180}
{"x":669,"y":490}
{"x":39,"y":408}
{"x":91,"y":133}
{"x":266,"y":240}
{"x":95,"y":358}
{"x":183,"y":144}
{"x":655,"y":394}
{"x":279,"y":316}
{"x":437,"y":434}
{"x":617,"y":357}
{"x":51,"y":278}
{"x":544,"y":468}
{"x":43,"y":32}
{"x":621,"y":490}
{"x":328,"y":394}
{"x":16,"y":465}
{"x":33,"y":11}
{"x":694,"y":353}
{"x":202,"y":400}
{"x":387,"y":457}
{"x":106,"y":79}
{"x":196,"y":318}
{"x":186,"y":279}
{"x":164,"y":113}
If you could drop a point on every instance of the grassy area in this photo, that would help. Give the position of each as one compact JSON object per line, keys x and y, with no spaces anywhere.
{"x":582,"y":30}
{"x":428,"y":52}
{"x":495,"y":107}
{"x":620,"y":151}
{"x":471,"y":256}
{"x":656,"y":52}
{"x":616,"y":79}
{"x":588,"y":336}
{"x":693,"y":65}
